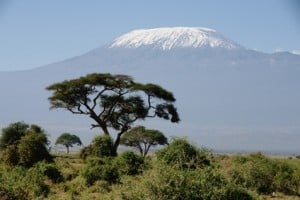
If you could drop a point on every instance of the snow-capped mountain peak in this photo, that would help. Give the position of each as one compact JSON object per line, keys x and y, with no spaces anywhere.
{"x":169,"y":38}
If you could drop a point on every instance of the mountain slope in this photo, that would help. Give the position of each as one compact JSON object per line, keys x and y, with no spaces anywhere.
{"x":229,"y":97}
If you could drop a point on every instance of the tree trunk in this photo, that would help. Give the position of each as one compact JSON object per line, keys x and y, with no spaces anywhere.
{"x":105,"y":130}
{"x":147,"y":150}
{"x":117,"y":141}
{"x":67,"y":149}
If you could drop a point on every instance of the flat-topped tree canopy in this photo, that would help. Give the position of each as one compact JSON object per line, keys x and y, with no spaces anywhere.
{"x":113,"y":101}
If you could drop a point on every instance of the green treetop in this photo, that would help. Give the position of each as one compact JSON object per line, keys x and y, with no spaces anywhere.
{"x":68,"y":140}
{"x":142,"y":139}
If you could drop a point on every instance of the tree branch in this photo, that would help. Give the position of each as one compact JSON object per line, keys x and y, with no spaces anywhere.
{"x":97,"y":97}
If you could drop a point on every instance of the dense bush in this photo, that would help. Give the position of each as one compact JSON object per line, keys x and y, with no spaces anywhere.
{"x":184,"y":155}
{"x":265,"y":175}
{"x":25,"y":145}
{"x":12,"y":134}
{"x":32,"y":149}
{"x":236,"y":192}
{"x":6,"y":194}
{"x":130,"y":163}
{"x":166,"y":182}
{"x":101,"y":146}
{"x":21,"y":183}
{"x":50,"y":170}
{"x":101,"y":169}
{"x":10,"y":155}
{"x":181,"y":171}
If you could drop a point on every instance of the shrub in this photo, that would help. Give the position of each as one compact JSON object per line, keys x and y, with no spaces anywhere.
{"x":130,"y":163}
{"x":49,"y":170}
{"x":32,"y":149}
{"x":255,"y":172}
{"x":101,"y":146}
{"x":25,"y":145}
{"x":236,"y":192}
{"x":101,"y":169}
{"x":265,"y":175}
{"x":85,"y":152}
{"x":10,"y":155}
{"x":23,"y":183}
{"x":6,"y":194}
{"x":168,"y":182}
{"x":287,"y":179}
{"x":12,"y":134}
{"x":184,"y":155}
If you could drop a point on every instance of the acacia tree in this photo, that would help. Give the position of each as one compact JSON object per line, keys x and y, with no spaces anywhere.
{"x":142,"y":139}
{"x":113,"y":101}
{"x":68,"y":140}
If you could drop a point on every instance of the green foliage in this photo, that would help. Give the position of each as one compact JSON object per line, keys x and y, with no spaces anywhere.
{"x":184,"y":155}
{"x":21,"y":183}
{"x":236,"y":192}
{"x":68,"y":140}
{"x":101,"y":146}
{"x":166,"y":182}
{"x":129,"y":163}
{"x":101,"y":169}
{"x":32,"y":149}
{"x":142,"y":139}
{"x":113,"y":101}
{"x":85,"y":152}
{"x":6,"y":194}
{"x":265,"y":175}
{"x":10,"y":155}
{"x":12,"y":134}
{"x":49,"y":170}
{"x":27,"y":148}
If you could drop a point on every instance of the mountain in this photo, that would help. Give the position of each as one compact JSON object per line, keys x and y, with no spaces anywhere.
{"x":172,"y":38}
{"x":229,"y":97}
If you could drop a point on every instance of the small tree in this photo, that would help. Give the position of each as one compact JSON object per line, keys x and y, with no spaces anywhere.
{"x":68,"y":140}
{"x":142,"y":139}
{"x":113,"y":101}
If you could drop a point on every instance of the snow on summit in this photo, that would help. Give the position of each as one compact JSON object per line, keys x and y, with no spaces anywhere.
{"x":169,"y":38}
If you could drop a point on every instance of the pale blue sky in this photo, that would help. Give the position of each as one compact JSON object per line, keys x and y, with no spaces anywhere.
{"x":34,"y":32}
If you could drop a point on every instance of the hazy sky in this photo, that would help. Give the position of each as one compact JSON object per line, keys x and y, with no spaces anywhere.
{"x":34,"y":32}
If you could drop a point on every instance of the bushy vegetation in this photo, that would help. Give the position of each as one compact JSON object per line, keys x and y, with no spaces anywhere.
{"x":265,"y":175}
{"x":178,"y":171}
{"x":22,"y":183}
{"x":101,"y":146}
{"x":130,"y":163}
{"x":110,"y":169}
{"x":181,"y":171}
{"x":184,"y":155}
{"x":23,"y":144}
{"x":101,"y":169}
